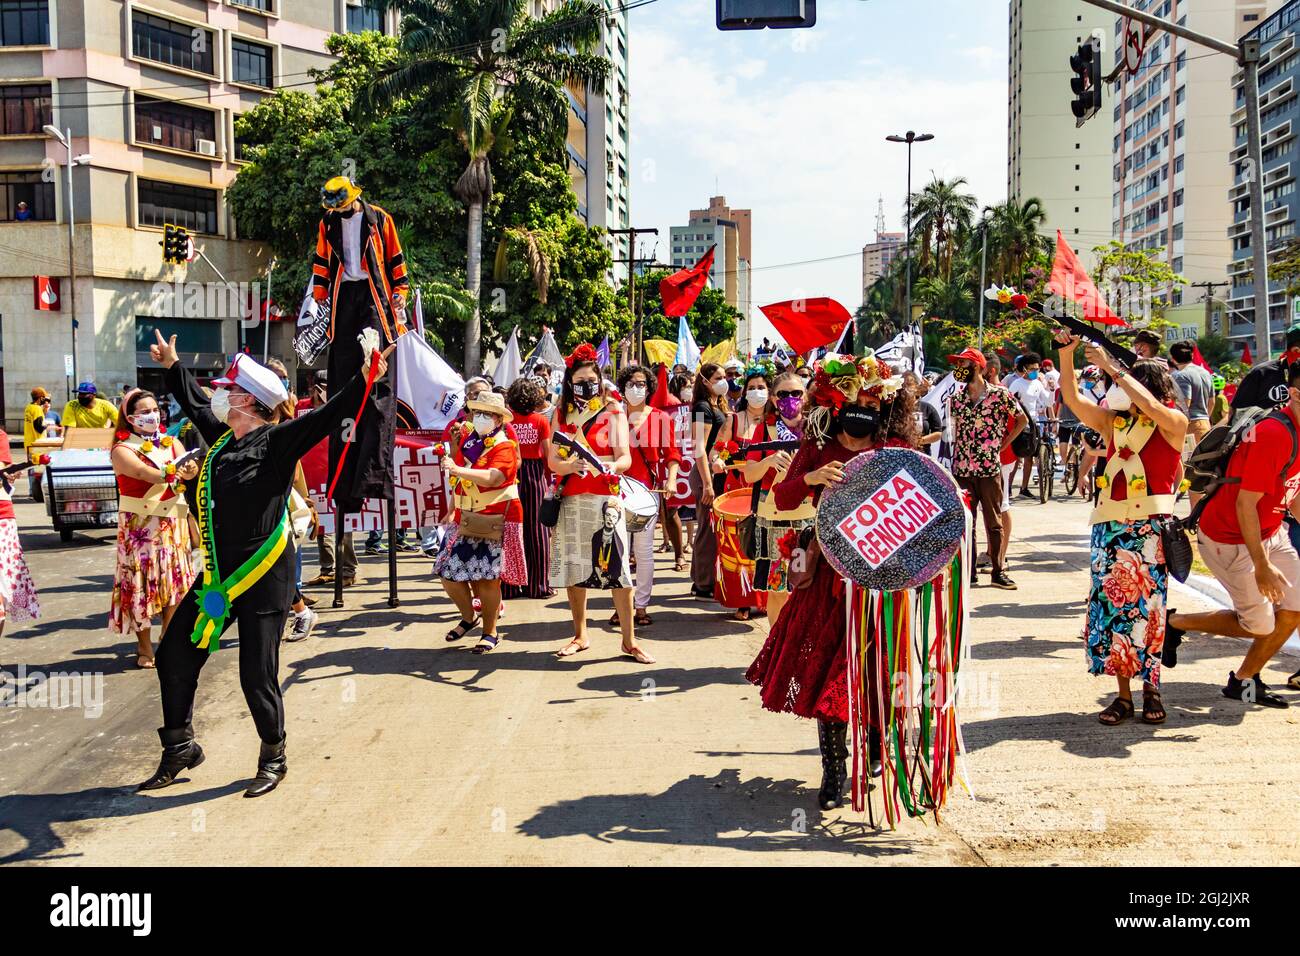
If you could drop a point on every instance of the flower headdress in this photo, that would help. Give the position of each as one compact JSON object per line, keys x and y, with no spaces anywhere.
{"x":838,"y":380}
{"x":586,"y":352}
{"x":763,"y":367}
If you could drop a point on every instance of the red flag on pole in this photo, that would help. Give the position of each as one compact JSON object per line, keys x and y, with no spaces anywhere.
{"x":679,"y":291}
{"x":807,"y":324}
{"x":1199,"y":359}
{"x":1246,"y":357}
{"x":662,"y":398}
{"x":1072,"y":283}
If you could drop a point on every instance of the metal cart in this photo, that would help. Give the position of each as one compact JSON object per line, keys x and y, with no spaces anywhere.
{"x":80,"y":491}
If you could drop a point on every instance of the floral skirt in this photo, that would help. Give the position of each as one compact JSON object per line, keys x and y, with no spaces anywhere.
{"x":589,"y":544}
{"x":771,"y":568}
{"x":154,"y":570}
{"x":477,"y":559}
{"x":1126,"y":608}
{"x":17,"y":591}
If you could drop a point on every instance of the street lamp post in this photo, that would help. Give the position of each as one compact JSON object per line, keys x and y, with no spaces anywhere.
{"x":910,"y":138}
{"x":64,"y":138}
{"x":984,"y":259}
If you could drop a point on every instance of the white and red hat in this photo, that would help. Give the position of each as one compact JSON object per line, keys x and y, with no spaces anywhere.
{"x":257,"y":380}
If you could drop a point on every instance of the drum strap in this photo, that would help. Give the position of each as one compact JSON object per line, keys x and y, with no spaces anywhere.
{"x":587,"y":428}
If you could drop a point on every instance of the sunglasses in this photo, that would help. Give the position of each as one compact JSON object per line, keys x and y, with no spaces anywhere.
{"x":790,"y":393}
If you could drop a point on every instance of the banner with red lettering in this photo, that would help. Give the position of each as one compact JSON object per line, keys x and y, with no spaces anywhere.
{"x":681,"y":496}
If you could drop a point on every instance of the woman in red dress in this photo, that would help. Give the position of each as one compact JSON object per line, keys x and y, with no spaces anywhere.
{"x":803,"y":667}
{"x":754,"y":423}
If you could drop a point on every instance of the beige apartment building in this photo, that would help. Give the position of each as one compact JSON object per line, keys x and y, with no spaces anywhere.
{"x":1048,"y":157}
{"x":731,"y":230}
{"x":878,"y":256}
{"x":150,"y":92}
{"x":1173,"y":133}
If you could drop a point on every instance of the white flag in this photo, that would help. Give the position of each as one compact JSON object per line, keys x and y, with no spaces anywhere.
{"x":688,"y":353}
{"x":509,"y":365}
{"x":418,"y":312}
{"x":429,"y":391}
{"x":905,"y":350}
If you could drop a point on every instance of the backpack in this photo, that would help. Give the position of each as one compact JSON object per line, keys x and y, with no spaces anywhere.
{"x":1208,"y":464}
{"x":1026,"y":444}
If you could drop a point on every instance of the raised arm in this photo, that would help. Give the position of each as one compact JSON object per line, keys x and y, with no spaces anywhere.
{"x":185,"y":389}
{"x":1090,"y":413}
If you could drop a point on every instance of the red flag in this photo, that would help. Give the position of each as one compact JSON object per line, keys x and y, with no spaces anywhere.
{"x":662,"y":398}
{"x":807,"y":324}
{"x":1246,"y":357}
{"x":679,"y":291}
{"x":1072,"y":283}
{"x":1199,"y":359}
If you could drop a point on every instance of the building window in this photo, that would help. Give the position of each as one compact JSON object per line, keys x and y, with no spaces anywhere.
{"x":189,"y":206}
{"x":24,"y":23}
{"x":159,"y":123}
{"x":29,"y":188}
{"x":199,"y":335}
{"x":24,"y":109}
{"x":175,"y":44}
{"x":266,"y":6}
{"x":251,"y":63}
{"x":364,"y":16}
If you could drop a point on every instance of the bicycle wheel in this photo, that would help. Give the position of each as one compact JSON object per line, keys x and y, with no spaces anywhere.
{"x":1044,"y":472}
{"x":1071,"y":469}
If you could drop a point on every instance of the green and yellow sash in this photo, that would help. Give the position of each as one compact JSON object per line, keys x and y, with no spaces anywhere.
{"x":216,"y":596}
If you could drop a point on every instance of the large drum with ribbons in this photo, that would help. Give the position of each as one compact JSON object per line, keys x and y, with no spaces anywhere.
{"x":894,"y":523}
{"x":734,"y":585}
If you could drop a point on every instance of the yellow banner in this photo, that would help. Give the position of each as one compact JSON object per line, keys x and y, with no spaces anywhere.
{"x":660,"y":351}
{"x":720,"y":353}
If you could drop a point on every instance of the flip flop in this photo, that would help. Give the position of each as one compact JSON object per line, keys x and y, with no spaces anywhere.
{"x":638,"y":655}
{"x":577,"y":649}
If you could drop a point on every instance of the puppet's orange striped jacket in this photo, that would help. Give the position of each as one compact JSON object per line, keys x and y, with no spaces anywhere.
{"x":381,"y":260}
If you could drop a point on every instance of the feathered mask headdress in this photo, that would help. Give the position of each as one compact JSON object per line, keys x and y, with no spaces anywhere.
{"x":838,"y":380}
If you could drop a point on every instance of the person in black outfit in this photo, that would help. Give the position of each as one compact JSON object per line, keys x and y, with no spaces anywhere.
{"x":250,"y":480}
{"x":1265,"y":385}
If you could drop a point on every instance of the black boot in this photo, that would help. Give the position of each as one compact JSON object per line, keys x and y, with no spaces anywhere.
{"x":180,"y":752}
{"x":873,"y":752}
{"x":835,"y":750}
{"x":271,"y":768}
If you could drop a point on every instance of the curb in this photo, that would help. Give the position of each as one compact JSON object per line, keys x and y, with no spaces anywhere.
{"x":1212,"y":589}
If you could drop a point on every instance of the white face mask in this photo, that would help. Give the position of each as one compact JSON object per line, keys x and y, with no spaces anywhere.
{"x":147,"y":423}
{"x":756,"y":397}
{"x":720,"y":387}
{"x":484,"y":424}
{"x":636,"y":394}
{"x":221,"y":404}
{"x":686,"y":394}
{"x":1117,"y":400}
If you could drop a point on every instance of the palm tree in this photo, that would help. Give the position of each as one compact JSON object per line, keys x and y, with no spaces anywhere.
{"x":1014,"y":237}
{"x":493,"y":63}
{"x":945,"y":298}
{"x":941,"y":212}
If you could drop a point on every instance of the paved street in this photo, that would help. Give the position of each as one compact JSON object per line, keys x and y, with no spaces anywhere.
{"x":405,"y":750}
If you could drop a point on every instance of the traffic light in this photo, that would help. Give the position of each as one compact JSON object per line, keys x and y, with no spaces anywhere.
{"x":1086,"y":82}
{"x":175,"y":244}
{"x":758,"y":14}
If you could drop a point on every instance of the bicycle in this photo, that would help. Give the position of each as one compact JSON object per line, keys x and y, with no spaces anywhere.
{"x":1046,"y":458}
{"x":1082,"y":442}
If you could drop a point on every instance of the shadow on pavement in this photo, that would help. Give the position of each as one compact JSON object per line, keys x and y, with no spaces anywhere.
{"x":720,"y":811}
{"x":32,"y":815}
{"x":657,"y":682}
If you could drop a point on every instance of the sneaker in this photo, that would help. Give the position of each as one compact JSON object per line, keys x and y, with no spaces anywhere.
{"x":301,"y":626}
{"x":376,"y":549}
{"x":701,"y":595}
{"x":983,"y":560}
{"x":319,"y":580}
{"x":1001,"y":579}
{"x":404,"y":545}
{"x":1173,"y":637}
{"x":1026,"y":493}
{"x":1294,"y":681}
{"x":1252,"y":690}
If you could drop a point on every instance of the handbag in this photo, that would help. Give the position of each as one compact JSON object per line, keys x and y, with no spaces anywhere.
{"x":1178,"y":549}
{"x":747,"y":527}
{"x":801,"y":572}
{"x":475,"y":524}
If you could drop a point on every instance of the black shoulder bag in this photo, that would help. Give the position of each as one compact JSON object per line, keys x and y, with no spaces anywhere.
{"x":549,"y":513}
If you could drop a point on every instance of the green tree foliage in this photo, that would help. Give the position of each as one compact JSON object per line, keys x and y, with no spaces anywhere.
{"x":710,"y":319}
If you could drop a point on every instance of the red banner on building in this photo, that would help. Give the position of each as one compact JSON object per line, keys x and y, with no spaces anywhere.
{"x":45,"y":294}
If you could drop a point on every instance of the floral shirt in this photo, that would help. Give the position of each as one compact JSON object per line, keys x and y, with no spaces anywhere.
{"x":979,"y":428}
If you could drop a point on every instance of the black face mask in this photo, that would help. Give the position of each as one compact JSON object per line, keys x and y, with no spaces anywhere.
{"x":859,"y":421}
{"x":586,"y":390}
{"x":963,"y":373}
{"x":86,"y":400}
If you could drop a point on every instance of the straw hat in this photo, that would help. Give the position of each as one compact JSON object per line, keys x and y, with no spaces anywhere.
{"x":492,"y":403}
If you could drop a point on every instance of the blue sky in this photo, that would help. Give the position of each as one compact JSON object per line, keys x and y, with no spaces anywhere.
{"x":791,"y":123}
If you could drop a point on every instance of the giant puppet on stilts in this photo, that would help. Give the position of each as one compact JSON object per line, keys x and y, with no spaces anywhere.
{"x":869,"y":642}
{"x":359,"y":274}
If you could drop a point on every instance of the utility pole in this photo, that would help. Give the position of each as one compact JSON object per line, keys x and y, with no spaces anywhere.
{"x":1247,"y":54}
{"x":632,"y":233}
{"x":1209,"y":288}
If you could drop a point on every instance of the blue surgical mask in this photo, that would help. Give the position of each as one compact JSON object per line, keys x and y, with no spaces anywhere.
{"x":1031,"y":375}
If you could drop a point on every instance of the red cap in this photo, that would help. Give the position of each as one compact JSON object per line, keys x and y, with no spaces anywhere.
{"x":970,"y":355}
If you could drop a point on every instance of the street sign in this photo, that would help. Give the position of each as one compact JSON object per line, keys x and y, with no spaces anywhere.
{"x":760,"y":14}
{"x":67,"y":365}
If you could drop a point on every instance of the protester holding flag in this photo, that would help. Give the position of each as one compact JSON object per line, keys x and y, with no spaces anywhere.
{"x":526,"y":399}
{"x":18,"y":599}
{"x":248,"y":555}
{"x":486,"y":544}
{"x":709,"y":413}
{"x":856,"y":404}
{"x":1144,"y":431}
{"x":655,"y":462}
{"x":589,"y":545}
{"x":153,"y":534}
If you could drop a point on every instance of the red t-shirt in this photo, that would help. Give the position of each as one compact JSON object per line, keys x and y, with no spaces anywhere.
{"x":598,"y":439}
{"x":1259,"y":465}
{"x":654,"y":445}
{"x":504,"y":456}
{"x":1009,"y":457}
{"x":531,"y":431}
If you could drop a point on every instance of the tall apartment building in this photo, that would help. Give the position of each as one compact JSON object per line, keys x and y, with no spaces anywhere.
{"x":599,"y":144}
{"x":1172,"y":128}
{"x":1048,"y":158}
{"x":878,"y":256}
{"x":150,"y":90}
{"x":731,"y":231}
{"x":1279,"y":77}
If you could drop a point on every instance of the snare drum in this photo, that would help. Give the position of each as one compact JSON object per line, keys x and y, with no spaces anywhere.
{"x":640,"y":504}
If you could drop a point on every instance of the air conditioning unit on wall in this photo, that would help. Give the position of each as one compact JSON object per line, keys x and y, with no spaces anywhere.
{"x":206,"y":147}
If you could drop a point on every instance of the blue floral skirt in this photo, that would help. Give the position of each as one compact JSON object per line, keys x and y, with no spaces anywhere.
{"x":1126,"y":608}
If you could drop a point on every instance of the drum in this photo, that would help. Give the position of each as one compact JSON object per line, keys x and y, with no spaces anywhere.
{"x":735,"y":571}
{"x":894,"y":522}
{"x":640,"y":504}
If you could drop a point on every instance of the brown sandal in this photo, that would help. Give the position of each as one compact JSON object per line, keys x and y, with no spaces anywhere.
{"x":1120,"y":710}
{"x":1153,"y":708}
{"x":642,"y":618}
